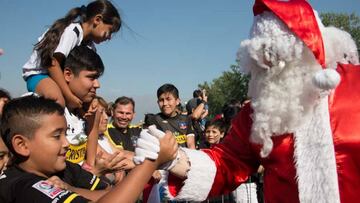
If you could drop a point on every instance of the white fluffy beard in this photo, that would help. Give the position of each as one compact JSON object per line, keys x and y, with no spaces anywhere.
{"x":281,"y":89}
{"x":280,"y":101}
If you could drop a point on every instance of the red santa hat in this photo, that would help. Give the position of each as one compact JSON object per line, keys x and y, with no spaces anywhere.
{"x":299,"y":17}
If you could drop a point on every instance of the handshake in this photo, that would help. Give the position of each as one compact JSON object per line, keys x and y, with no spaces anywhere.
{"x":154,"y":144}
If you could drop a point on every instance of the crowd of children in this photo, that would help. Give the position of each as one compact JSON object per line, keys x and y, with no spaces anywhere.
{"x":56,"y":144}
{"x":53,"y":155}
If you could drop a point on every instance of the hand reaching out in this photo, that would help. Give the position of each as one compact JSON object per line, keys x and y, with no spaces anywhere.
{"x":155,"y":144}
{"x":121,"y":162}
{"x":115,"y":162}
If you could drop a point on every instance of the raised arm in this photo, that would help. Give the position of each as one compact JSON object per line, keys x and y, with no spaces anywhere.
{"x":130,"y":188}
{"x":92,"y":116}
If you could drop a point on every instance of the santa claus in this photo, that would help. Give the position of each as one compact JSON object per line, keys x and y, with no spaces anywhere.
{"x":303,"y":122}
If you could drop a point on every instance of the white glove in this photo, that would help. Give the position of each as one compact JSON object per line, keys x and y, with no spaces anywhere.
{"x":160,"y":134}
{"x":147,"y":146}
{"x":156,"y":132}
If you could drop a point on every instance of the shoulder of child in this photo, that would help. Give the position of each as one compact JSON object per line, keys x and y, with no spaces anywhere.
{"x":15,"y":181}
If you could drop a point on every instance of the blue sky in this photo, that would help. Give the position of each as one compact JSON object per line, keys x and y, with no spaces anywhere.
{"x":184,"y":42}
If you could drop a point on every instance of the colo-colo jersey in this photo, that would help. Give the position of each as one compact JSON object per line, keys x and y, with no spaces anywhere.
{"x":179,"y":125}
{"x":77,"y":138}
{"x":18,"y":186}
{"x":123,"y":139}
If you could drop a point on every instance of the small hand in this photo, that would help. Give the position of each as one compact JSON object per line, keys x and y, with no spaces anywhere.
{"x":93,"y":114}
{"x":57,"y":182}
{"x":118,"y":161}
{"x":125,"y":164}
{"x":157,"y":176}
{"x":100,"y":167}
{"x":73,"y":101}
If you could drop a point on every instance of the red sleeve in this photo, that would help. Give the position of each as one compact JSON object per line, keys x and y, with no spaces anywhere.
{"x":222,"y":168}
{"x":235,"y":158}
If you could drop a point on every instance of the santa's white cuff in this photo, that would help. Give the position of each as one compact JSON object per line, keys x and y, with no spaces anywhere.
{"x":200,"y":177}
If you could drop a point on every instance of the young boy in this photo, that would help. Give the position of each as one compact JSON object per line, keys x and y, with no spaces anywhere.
{"x":170,"y":119}
{"x":81,"y":71}
{"x":214,"y":132}
{"x":39,"y":145}
{"x":34,"y":131}
{"x":4,"y":156}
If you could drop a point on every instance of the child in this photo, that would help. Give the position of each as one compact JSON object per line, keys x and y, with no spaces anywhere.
{"x":98,"y":143}
{"x":82,"y":69}
{"x":39,"y":146}
{"x":4,"y":156}
{"x":170,"y":119}
{"x":86,"y":25}
{"x":214,"y":131}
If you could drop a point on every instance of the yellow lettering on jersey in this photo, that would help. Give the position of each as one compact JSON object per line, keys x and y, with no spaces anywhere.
{"x":180,"y":139}
{"x":76,"y":153}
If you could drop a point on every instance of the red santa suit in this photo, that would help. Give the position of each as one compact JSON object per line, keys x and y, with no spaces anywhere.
{"x":318,"y":162}
{"x":220,"y":169}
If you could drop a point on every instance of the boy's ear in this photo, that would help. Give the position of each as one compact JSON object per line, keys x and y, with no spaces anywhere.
{"x":178,"y":101}
{"x":97,"y":19}
{"x":222,"y":135}
{"x":68,"y":74}
{"x":20,"y":145}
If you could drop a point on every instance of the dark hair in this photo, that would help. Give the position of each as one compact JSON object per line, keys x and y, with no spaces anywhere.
{"x":84,"y":58}
{"x":197,"y":93}
{"x":229,"y":111}
{"x":219,"y":124}
{"x":4,"y":94}
{"x":124,"y":101}
{"x":168,"y":88}
{"x":49,"y":42}
{"x":23,"y":116}
{"x":149,"y":119}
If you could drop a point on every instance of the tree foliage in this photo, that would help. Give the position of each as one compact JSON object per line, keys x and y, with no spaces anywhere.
{"x":230,"y":85}
{"x":348,"y":22}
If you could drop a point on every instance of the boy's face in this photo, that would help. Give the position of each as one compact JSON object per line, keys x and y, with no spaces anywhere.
{"x":167,"y":104}
{"x":47,"y":148}
{"x":213,"y":135}
{"x":84,"y":85}
{"x":4,"y":155}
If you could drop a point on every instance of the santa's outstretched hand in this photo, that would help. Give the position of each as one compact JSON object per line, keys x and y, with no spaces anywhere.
{"x":148,"y":147}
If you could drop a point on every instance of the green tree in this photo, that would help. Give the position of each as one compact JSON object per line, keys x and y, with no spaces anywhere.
{"x":230,"y":85}
{"x":348,"y":22}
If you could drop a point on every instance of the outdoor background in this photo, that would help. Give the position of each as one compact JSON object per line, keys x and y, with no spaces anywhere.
{"x":184,"y":42}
